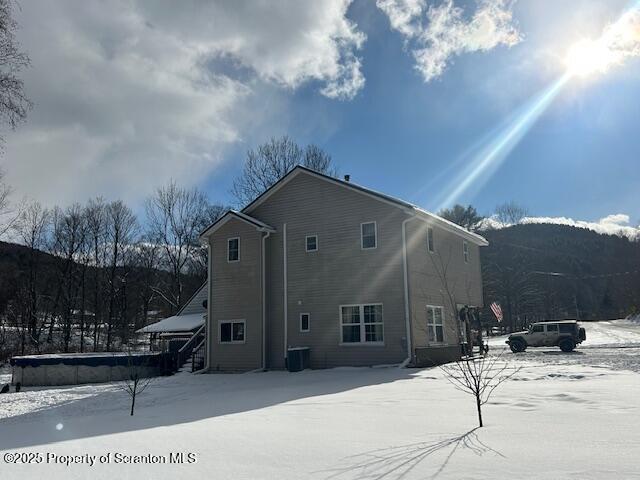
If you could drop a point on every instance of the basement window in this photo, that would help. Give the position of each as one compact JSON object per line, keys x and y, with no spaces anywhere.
{"x":232,"y":331}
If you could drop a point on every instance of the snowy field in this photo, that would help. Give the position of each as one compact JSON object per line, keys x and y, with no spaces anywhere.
{"x":574,"y":416}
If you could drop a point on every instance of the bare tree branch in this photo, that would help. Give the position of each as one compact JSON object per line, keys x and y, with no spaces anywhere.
{"x":479,"y":376}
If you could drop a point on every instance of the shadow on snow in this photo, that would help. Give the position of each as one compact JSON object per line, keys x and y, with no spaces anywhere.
{"x":397,"y":462}
{"x":183,"y":398}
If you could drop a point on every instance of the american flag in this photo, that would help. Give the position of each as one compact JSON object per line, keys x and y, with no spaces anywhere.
{"x":497,"y":310}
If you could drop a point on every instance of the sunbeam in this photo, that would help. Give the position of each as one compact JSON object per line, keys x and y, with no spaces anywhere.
{"x":619,"y":40}
{"x":491,"y":157}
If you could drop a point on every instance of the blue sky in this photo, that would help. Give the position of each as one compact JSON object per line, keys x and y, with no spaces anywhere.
{"x":404,"y":94}
{"x":401,"y":135}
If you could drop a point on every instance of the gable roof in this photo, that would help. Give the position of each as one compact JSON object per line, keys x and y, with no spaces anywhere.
{"x":409,"y":208}
{"x":194,"y":304}
{"x":260,"y":226}
{"x":177,"y":323}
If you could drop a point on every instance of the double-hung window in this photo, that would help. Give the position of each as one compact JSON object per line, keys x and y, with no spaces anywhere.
{"x":368,"y":235}
{"x":465,"y":251}
{"x":435,"y":328}
{"x":430,"y":246}
{"x":361,"y":324}
{"x":232,"y":331}
{"x":233,"y":249}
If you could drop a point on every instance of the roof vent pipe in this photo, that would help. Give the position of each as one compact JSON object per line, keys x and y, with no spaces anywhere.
{"x":347,"y":178}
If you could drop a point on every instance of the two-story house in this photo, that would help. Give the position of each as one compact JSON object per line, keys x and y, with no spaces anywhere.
{"x":358,"y":277}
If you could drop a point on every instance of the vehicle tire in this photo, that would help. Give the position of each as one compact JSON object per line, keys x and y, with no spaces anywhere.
{"x":567,"y":345}
{"x":517,"y":345}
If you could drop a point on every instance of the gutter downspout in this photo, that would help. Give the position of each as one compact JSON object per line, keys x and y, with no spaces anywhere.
{"x":264,"y":302}
{"x":286,"y":307}
{"x":407,"y":320}
{"x":209,"y":321}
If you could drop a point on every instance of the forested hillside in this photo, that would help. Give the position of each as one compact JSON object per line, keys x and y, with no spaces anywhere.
{"x":545,"y":271}
{"x":43,"y":297}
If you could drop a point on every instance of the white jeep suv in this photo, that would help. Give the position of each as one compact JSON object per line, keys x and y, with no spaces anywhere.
{"x":565,"y":334}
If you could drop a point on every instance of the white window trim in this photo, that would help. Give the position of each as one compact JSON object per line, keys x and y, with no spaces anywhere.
{"x":308,"y":322}
{"x":306,"y":244}
{"x":362,"y":342}
{"x":429,"y":326}
{"x":375,"y":230}
{"x":228,"y":250}
{"x":431,"y":245}
{"x":232,"y":342}
{"x":465,"y":251}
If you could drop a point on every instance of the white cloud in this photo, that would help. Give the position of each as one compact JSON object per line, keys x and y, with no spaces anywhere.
{"x":437,"y":33}
{"x":130,"y":94}
{"x":616,"y":224}
{"x":404,"y":15}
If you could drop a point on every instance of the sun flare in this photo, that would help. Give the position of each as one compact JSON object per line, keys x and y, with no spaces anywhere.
{"x":588,"y":57}
{"x":619,"y":41}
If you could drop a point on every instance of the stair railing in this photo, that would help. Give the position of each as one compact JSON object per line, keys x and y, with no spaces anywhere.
{"x":187,"y":348}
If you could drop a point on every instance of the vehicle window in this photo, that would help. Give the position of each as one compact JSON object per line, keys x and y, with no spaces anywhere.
{"x":566,"y":328}
{"x":552,"y":328}
{"x":537,"y":328}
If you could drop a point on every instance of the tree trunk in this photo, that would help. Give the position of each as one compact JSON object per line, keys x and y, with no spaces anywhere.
{"x":479,"y":407}
{"x":134,"y":390}
{"x":83,"y":307}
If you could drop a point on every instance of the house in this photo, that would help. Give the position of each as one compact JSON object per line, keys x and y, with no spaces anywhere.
{"x":181,"y":326}
{"x":357,"y":277}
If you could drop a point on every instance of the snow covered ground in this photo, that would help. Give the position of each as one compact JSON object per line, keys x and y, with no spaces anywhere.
{"x":562,"y":416}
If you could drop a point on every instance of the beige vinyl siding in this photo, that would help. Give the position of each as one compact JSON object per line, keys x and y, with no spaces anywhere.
{"x":339,"y":273}
{"x":194,"y":305}
{"x":426,"y":287}
{"x":236,"y":295}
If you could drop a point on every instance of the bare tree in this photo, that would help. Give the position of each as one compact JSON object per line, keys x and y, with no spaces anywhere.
{"x":317,"y":159}
{"x":96,"y":219}
{"x":271,"y":161}
{"x":147,"y":258}
{"x":441,"y":262}
{"x":137,"y":380}
{"x":198,"y":264}
{"x":31,"y":228}
{"x":510,"y":213}
{"x":175,"y":218}
{"x":66,"y":238}
{"x":8,"y":214}
{"x":121,"y":229}
{"x":14,"y":103}
{"x":479,"y":376}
